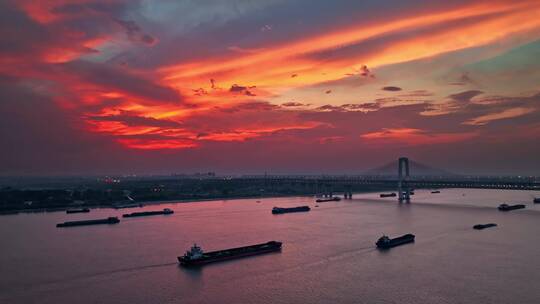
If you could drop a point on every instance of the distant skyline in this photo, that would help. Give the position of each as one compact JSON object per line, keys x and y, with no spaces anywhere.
{"x":284,"y":87}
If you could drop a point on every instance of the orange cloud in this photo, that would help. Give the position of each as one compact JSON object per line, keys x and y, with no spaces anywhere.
{"x":272,"y":66}
{"x":508,"y":113}
{"x":205,"y":93}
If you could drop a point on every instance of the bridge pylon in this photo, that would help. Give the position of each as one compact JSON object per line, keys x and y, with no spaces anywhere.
{"x":403,"y":176}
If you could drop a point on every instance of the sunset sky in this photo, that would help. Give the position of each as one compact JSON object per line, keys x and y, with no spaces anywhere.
{"x":277,"y":86}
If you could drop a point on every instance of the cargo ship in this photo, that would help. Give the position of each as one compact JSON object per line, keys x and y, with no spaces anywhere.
{"x":109,"y":220}
{"x":82,"y":210}
{"x":332,"y":199}
{"x":536,"y":200}
{"x":393,"y":194}
{"x":506,"y":207}
{"x":278,"y":210}
{"x":148,"y":213}
{"x":385,"y":242}
{"x":484,"y":226}
{"x":196,"y":256}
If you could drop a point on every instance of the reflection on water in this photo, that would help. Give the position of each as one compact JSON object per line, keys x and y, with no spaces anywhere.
{"x":328,"y":253}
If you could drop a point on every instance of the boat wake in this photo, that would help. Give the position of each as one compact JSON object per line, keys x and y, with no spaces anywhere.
{"x":98,"y":274}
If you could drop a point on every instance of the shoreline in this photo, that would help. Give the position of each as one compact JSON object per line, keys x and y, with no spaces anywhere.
{"x":143,"y":203}
{"x":158,"y":202}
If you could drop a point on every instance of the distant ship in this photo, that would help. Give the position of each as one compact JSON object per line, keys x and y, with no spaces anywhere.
{"x":148,"y":213}
{"x":393,"y":194}
{"x":506,"y":207}
{"x":130,"y":205}
{"x":83,"y":210}
{"x":196,"y":256}
{"x":385,"y":242}
{"x":278,"y":210}
{"x":483,"y":226}
{"x":109,"y":220}
{"x":536,"y":200}
{"x":332,"y":199}
{"x":436,"y":191}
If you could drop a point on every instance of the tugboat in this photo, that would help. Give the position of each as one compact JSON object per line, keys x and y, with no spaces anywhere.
{"x":332,"y":199}
{"x":278,"y":210}
{"x":536,"y":200}
{"x":147,"y":213}
{"x":109,"y":220}
{"x":83,"y":210}
{"x":393,"y":194}
{"x":506,"y":207}
{"x":386,"y":243}
{"x":483,"y":226}
{"x":196,"y":256}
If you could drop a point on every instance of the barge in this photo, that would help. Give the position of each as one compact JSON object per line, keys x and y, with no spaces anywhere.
{"x":109,"y":220}
{"x":196,"y":256}
{"x":506,"y":207}
{"x":148,"y":213}
{"x":386,"y":243}
{"x":332,"y":199}
{"x":484,"y":226}
{"x":82,"y":210}
{"x":278,"y":210}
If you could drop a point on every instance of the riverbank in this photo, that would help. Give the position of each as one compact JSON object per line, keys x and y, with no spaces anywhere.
{"x":158,"y":202}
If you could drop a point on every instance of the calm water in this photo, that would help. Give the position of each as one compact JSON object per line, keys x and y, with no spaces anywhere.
{"x":328,"y":254}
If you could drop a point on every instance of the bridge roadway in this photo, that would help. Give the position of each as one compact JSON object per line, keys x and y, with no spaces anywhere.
{"x":352,"y":183}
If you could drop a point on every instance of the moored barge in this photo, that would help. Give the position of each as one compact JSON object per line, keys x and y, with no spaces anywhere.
{"x":82,"y":210}
{"x":148,"y":213}
{"x":332,"y":199}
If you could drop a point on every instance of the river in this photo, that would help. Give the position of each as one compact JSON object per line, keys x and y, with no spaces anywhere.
{"x":328,"y":254}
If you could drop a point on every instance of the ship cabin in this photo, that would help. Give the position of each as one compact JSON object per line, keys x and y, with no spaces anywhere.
{"x":383,"y":240}
{"x":194,"y":253}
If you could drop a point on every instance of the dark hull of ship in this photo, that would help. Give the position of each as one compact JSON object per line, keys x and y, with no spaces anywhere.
{"x":124,"y":206}
{"x":147,"y":213}
{"x":408,"y":238}
{"x":334,"y":199}
{"x":85,"y":210}
{"x":230,"y":254}
{"x":509,"y":208}
{"x":289,"y":210}
{"x":484,"y":226}
{"x":89,"y":222}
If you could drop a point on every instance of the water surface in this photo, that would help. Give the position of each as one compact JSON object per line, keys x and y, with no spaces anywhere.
{"x":328,"y":254}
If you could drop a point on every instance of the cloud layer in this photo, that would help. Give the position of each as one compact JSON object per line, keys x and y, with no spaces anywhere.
{"x":249,"y":83}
